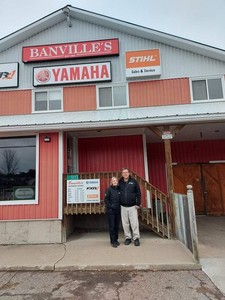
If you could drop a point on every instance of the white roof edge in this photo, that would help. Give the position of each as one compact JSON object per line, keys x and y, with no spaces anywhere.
{"x":126,"y":117}
{"x":116,"y":24}
{"x":115,"y":124}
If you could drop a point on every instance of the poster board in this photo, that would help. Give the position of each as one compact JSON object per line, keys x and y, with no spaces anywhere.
{"x":83,"y":191}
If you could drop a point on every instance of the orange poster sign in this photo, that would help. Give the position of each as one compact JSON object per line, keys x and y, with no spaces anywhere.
{"x":143,"y":63}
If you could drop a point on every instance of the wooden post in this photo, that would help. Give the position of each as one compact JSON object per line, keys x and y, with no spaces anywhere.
{"x":193,"y":225}
{"x":169,"y":168}
{"x":170,"y":182}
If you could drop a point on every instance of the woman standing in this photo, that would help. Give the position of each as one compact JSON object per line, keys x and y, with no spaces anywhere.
{"x":112,"y":201}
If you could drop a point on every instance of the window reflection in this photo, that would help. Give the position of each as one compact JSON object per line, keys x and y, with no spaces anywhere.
{"x":17,"y":168}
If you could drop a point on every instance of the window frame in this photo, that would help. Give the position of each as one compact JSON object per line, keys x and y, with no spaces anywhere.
{"x":34,"y":201}
{"x":221,"y":77}
{"x":123,"y":84}
{"x":34,"y":91}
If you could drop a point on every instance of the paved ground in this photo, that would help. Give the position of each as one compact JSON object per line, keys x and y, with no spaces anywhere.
{"x":108,"y":285}
{"x":211,"y":237}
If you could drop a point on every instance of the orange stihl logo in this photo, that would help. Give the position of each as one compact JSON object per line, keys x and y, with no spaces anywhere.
{"x":144,"y":58}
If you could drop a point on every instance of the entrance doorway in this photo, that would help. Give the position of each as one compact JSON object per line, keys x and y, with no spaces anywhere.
{"x":208,"y":182}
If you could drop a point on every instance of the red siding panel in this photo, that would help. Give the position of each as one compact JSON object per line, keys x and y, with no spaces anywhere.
{"x":111,"y":154}
{"x":15,"y":102}
{"x":156,"y":166}
{"x":48,"y":177}
{"x":79,"y":98}
{"x":159,"y":92}
{"x":198,"y":151}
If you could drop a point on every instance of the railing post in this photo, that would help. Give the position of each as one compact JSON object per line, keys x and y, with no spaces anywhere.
{"x":192,"y":218}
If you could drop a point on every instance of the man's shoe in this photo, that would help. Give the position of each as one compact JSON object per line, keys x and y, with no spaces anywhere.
{"x":137,"y":242}
{"x":114,"y":245}
{"x":117,"y":243}
{"x":127,"y":242}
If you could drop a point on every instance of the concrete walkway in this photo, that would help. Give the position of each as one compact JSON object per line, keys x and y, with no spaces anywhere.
{"x":92,"y":251}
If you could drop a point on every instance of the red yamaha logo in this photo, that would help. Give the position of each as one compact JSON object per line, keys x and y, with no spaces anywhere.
{"x":43,"y":76}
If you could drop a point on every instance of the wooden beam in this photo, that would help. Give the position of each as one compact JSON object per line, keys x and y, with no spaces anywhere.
{"x":156,"y":130}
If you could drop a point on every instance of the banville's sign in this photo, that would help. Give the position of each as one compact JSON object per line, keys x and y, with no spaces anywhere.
{"x":72,"y":50}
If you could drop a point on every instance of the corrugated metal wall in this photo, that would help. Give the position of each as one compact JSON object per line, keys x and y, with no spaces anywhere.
{"x":198,"y":151}
{"x":79,"y":98}
{"x":47,"y":207}
{"x":15,"y":102}
{"x":111,"y":154}
{"x":159,"y":92}
{"x":182,"y":152}
{"x":156,"y":165}
{"x":49,"y":176}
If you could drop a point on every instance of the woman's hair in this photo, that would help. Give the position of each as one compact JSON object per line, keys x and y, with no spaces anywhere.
{"x":114,"y":177}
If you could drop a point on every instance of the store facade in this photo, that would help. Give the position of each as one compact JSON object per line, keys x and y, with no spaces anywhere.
{"x":90,"y":93}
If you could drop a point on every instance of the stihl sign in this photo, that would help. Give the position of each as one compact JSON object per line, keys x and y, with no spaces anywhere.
{"x":143,"y":63}
{"x":79,"y":73}
{"x":71,"y":50}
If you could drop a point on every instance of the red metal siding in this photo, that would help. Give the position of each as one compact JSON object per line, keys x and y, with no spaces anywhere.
{"x":198,"y":151}
{"x":49,"y":176}
{"x":159,"y":92}
{"x":111,"y":154}
{"x":15,"y":102}
{"x":156,"y":166}
{"x":79,"y":98}
{"x":47,"y":206}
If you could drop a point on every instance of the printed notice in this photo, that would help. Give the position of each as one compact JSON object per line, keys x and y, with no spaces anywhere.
{"x":83,"y":191}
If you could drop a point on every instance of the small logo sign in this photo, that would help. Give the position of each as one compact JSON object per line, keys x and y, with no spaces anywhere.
{"x":43,"y":76}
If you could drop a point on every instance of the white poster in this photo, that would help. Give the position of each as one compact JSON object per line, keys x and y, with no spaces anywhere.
{"x":83,"y":191}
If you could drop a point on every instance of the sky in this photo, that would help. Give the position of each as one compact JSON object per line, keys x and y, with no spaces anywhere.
{"x":202,"y":21}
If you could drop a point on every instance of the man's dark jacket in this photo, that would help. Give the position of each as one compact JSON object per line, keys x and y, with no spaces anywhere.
{"x":130,"y":193}
{"x":112,"y":200}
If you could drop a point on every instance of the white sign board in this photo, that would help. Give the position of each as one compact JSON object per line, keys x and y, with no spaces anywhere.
{"x":9,"y":74}
{"x":83,"y":191}
{"x":167,"y":135}
{"x":143,"y":63}
{"x":66,"y":74}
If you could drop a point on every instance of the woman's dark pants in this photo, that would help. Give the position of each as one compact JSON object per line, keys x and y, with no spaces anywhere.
{"x":114,"y":223}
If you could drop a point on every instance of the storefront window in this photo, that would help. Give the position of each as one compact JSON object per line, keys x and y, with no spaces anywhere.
{"x":207,"y":89}
{"x":48,"y":100}
{"x":17,"y":169}
{"x":113,"y":96}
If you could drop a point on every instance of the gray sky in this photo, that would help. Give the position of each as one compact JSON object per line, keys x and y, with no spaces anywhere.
{"x":202,"y":21}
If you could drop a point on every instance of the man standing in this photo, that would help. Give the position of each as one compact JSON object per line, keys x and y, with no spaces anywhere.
{"x":130,"y":199}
